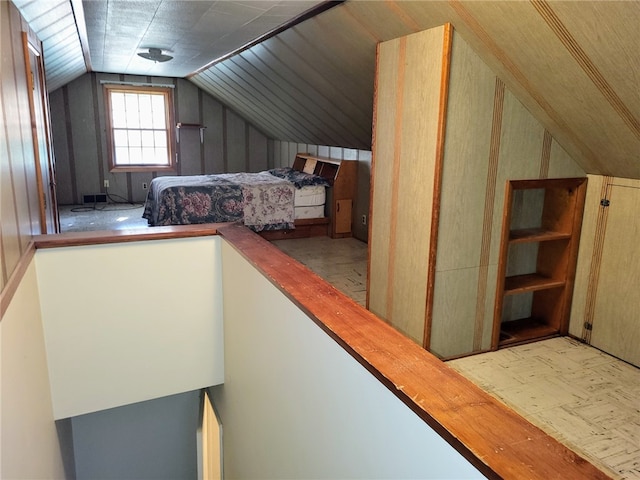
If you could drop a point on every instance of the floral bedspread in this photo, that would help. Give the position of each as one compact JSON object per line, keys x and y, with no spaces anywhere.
{"x":260,"y":200}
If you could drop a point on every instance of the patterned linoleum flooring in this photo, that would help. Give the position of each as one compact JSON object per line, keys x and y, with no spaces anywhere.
{"x":588,"y":400}
{"x":342,"y":262}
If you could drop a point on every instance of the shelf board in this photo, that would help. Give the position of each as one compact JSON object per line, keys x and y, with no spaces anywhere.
{"x":525,"y":330}
{"x":529,"y":283}
{"x":536,"y":235}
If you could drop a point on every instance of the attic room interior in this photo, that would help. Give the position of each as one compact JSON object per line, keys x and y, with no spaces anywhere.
{"x":484,"y":155}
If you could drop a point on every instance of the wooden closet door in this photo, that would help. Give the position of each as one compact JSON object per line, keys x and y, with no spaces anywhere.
{"x":616,"y":321}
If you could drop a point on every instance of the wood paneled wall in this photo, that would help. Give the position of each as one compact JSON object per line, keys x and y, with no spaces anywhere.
{"x":285,"y":152}
{"x":406,"y":149}
{"x":490,"y":138}
{"x":230,"y":144}
{"x":19,"y":207}
{"x":605,"y":300}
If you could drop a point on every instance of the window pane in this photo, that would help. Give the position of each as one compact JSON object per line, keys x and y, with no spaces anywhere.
{"x":146,"y":113}
{"x":135,"y":155}
{"x":158,"y":111}
{"x":135,"y":139}
{"x":120,"y":138}
{"x":162,"y":156}
{"x":148,"y":156}
{"x":147,"y":138}
{"x":160,"y":139}
{"x":118,"y":114}
{"x":131,"y":105}
{"x":122,"y":156}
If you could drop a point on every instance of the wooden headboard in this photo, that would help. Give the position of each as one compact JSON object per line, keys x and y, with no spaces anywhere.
{"x":323,"y":167}
{"x":342,"y":178}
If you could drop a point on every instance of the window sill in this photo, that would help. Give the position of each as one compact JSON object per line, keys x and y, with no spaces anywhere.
{"x":143,"y":168}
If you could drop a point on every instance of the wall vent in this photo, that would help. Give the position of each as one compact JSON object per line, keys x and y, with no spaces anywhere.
{"x":95,"y":198}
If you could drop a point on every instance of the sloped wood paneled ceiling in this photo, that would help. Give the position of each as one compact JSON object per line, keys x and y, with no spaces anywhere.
{"x":55,"y":24}
{"x":574,"y":64}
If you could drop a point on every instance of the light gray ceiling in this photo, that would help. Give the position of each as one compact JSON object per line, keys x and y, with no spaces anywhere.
{"x":574,"y":64}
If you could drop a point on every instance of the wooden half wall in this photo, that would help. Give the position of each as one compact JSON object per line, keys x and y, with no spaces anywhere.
{"x":448,"y":135}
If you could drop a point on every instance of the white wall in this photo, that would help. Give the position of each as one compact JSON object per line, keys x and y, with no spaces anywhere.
{"x":29,"y":443}
{"x":295,"y":405}
{"x":130,"y":322}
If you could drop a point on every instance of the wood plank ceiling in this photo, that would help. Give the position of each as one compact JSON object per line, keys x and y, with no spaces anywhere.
{"x":55,"y":24}
{"x":574,"y":65}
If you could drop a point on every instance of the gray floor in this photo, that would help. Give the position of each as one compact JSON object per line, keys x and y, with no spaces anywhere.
{"x":101,"y":216}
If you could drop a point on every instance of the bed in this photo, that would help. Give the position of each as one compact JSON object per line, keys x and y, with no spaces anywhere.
{"x":287,"y":201}
{"x":269,"y":200}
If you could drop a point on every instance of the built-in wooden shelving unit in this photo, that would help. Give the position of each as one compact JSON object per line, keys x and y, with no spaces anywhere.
{"x":538,"y":252}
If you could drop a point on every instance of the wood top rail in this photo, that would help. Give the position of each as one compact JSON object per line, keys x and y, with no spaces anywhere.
{"x":73,"y":239}
{"x":495,"y":439}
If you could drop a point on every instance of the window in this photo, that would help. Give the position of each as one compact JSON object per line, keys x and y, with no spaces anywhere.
{"x":140,"y":133}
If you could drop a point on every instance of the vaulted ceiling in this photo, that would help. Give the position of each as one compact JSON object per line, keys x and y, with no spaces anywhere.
{"x":574,"y":64}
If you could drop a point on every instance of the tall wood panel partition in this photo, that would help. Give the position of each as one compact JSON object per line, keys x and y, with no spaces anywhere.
{"x":448,"y":135}
{"x":407,"y":153}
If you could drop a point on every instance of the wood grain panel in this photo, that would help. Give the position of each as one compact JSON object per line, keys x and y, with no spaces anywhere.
{"x":245,"y":102}
{"x":561,"y":106}
{"x":82,"y":115}
{"x":583,"y":59}
{"x":616,"y":324}
{"x":454,"y":311}
{"x":383,"y":21}
{"x":55,"y":24}
{"x":308,"y":101}
{"x":466,"y":154}
{"x":614,"y":45}
{"x":521,"y":143}
{"x":561,"y":164}
{"x":213,"y":134}
{"x":270,"y":95}
{"x":312,"y":74}
{"x":17,"y":175}
{"x":416,"y":179}
{"x":382,"y":168}
{"x":588,"y":257}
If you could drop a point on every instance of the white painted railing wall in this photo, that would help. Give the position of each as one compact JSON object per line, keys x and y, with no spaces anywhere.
{"x":129,"y":322}
{"x":296,"y":405}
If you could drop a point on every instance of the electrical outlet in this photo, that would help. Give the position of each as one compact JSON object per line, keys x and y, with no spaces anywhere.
{"x":364,"y":219}
{"x":106,"y":184}
{"x":144,"y":185}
